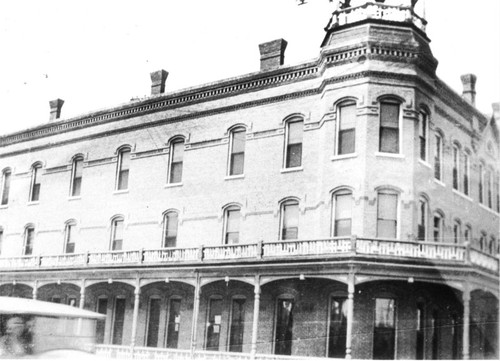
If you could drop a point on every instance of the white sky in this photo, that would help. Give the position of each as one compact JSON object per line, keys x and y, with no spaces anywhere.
{"x":99,"y":53}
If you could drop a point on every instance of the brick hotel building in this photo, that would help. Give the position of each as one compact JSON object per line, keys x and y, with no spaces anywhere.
{"x":343,"y":207}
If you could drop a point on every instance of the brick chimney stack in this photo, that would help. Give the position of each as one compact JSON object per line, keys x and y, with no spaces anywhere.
{"x":55,"y":109}
{"x":469,"y":88}
{"x":158,"y":79}
{"x":272,"y":54}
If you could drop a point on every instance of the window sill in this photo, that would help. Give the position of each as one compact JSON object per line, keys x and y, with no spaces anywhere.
{"x":462,"y":195}
{"x":439,"y":182}
{"x":390,"y":155}
{"x":122,"y":191}
{"x":173,"y":185}
{"x":424,"y":163}
{"x":488,"y":209}
{"x":291,"y":170}
{"x":75,"y":198}
{"x":231,"y":177}
{"x":344,"y":156}
{"x":33,"y":203}
{"x":4,"y":206}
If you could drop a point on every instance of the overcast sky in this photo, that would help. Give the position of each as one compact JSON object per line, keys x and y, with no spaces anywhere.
{"x":98,"y":54}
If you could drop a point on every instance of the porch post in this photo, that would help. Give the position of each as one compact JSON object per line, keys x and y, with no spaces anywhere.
{"x":255,"y":324}
{"x":82,"y":295}
{"x":466,"y":327}
{"x":350,"y":315}
{"x":137,"y":294}
{"x":196,"y":310}
{"x":35,"y":289}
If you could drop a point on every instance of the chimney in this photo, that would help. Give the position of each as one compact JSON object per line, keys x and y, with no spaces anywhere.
{"x":55,"y":109}
{"x":469,"y":88}
{"x":158,"y":79}
{"x":272,"y":54}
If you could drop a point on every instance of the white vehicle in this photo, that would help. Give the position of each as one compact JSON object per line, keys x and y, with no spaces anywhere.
{"x":32,"y":329}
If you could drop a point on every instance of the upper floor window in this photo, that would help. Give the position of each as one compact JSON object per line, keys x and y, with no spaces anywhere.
{"x":76,"y":177}
{"x":482,"y":241}
{"x":176,"y":160}
{"x":384,"y":332}
{"x":123,"y":169}
{"x":422,"y":220}
{"x":232,"y":216}
{"x":346,"y":128}
{"x":289,"y":220}
{"x":237,"y":151}
{"x":491,"y":246}
{"x":35,"y":182}
{"x":69,"y":237}
{"x":438,"y":227}
{"x":389,"y":136}
{"x":6,"y":175}
{"x":438,"y":156}
{"x":457,"y":231}
{"x":170,"y":228}
{"x":422,"y":135}
{"x":387,"y":210}
{"x":29,"y":240}
{"x":117,"y":234}
{"x":489,"y":188}
{"x":343,"y":213}
{"x":481,"y":183}
{"x":293,"y":147}
{"x":466,"y":173}
{"x":1,"y":240}
{"x":456,"y":166}
{"x":497,"y":189}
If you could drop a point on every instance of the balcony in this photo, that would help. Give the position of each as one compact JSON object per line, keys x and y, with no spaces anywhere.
{"x":330,"y":248}
{"x":377,"y":11}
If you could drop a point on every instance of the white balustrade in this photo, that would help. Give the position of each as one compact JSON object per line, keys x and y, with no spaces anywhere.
{"x":63,"y":260}
{"x":230,"y":252}
{"x":19,"y":262}
{"x":305,"y":248}
{"x":483,"y":260}
{"x":114,"y":257}
{"x":171,"y":255}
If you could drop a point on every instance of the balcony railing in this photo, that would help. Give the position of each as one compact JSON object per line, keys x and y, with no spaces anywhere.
{"x":372,"y":10}
{"x":264,"y":251}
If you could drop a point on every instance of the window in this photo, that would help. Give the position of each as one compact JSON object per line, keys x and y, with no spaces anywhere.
{"x":387,"y":215}
{"x":237,"y":325}
{"x":5,"y":186}
{"x":457,"y":231}
{"x":76,"y":177}
{"x":435,"y":334}
{"x":338,"y":327}
{"x":482,"y":241}
{"x":497,"y":190}
{"x":384,"y":333}
{"x":481,"y":183}
{"x":237,"y":151}
{"x":170,"y":224}
{"x":456,"y":166}
{"x":468,"y":234}
{"x":389,"y":127}
{"x":69,"y":241}
{"x":232,"y":216}
{"x":176,"y":160}
{"x":174,"y":322}
{"x":284,"y":327}
{"x":438,"y":157}
{"x":29,"y":239}
{"x":346,"y":128}
{"x":342,"y":213}
{"x":438,"y":227}
{"x":102,"y":308}
{"x":420,"y":330}
{"x":118,"y":321}
{"x":466,"y":171}
{"x":117,"y":234}
{"x":153,"y":322}
{"x":422,"y":135}
{"x":489,"y":188}
{"x":214,"y":324}
{"x":123,"y":169}
{"x":1,"y":240}
{"x":293,"y":149}
{"x":289,"y":220}
{"x":35,"y":183}
{"x":422,"y":220}
{"x":491,"y":246}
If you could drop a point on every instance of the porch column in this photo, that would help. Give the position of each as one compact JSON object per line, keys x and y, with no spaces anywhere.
{"x":35,"y":289}
{"x":196,"y":310}
{"x":137,"y":294}
{"x":82,"y":295}
{"x":466,"y":327}
{"x":255,"y":324}
{"x":350,"y":315}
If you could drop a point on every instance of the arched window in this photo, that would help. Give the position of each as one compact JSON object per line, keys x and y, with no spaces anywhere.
{"x":457,"y":231}
{"x":237,"y":139}
{"x":76,"y":177}
{"x":214,"y":323}
{"x":176,"y":160}
{"x":438,"y":157}
{"x":492,"y":246}
{"x":482,"y":241}
{"x":117,"y":227}
{"x":497,"y":189}
{"x":438,"y":227}
{"x":422,"y":219}
{"x":29,"y":240}
{"x":35,"y":182}
{"x":293,"y":144}
{"x":69,"y":237}
{"x":466,"y":172}
{"x":423,"y":125}
{"x":6,"y":175}
{"x":468,"y":233}
{"x":342,"y":213}
{"x":456,"y":166}
{"x":389,"y":132}
{"x":289,"y":227}
{"x":346,"y":128}
{"x":489,"y":188}
{"x":387,"y":214}
{"x":481,"y":183}
{"x":170,"y":228}
{"x":122,"y":169}
{"x":232,"y":217}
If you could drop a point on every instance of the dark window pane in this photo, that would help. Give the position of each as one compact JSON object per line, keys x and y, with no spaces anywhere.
{"x":30,"y":237}
{"x":171,"y":226}
{"x":123,"y":171}
{"x":153,"y":322}
{"x":290,"y":221}
{"x":118,"y":321}
{"x":338,"y":328}
{"x":284,"y":327}
{"x":237,"y":325}
{"x":343,"y":215}
{"x":176,"y":160}
{"x":6,"y":187}
{"x":346,"y":128}
{"x":423,"y":136}
{"x":174,"y":321}
{"x":347,"y":141}
{"x":384,"y":335}
{"x":117,"y":235}
{"x":123,"y":180}
{"x":294,"y":155}
{"x":77,"y":177}
{"x":232,"y":226}
{"x":1,"y":241}
{"x":102,"y":308}
{"x":420,"y":332}
{"x":389,"y":140}
{"x":437,"y":158}
{"x":237,"y":163}
{"x":389,"y":115}
{"x":422,"y":221}
{"x":214,"y":324}
{"x":176,"y":172}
